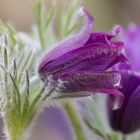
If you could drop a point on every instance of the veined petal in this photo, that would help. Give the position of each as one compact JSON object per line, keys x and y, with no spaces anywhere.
{"x":101,"y":38}
{"x":119,"y":118}
{"x":73,"y":42}
{"x":131,"y":119}
{"x":131,"y":40}
{"x":124,"y":66}
{"x":130,"y":81}
{"x":86,"y":81}
{"x":89,"y":58}
{"x":117,"y":44}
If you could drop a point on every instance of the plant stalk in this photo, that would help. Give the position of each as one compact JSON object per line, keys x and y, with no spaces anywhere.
{"x":75,"y":121}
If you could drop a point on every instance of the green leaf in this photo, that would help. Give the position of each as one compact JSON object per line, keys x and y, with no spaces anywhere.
{"x":16,"y":90}
{"x":49,"y":16}
{"x":25,"y":64}
{"x":5,"y":57}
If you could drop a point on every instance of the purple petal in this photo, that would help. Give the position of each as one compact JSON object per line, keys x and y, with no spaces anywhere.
{"x":130,"y":82}
{"x":131,"y":119}
{"x":131,"y":39}
{"x":90,"y":58}
{"x":124,"y":66}
{"x":115,"y":117}
{"x":86,"y":81}
{"x":72,"y":43}
{"x":101,"y":38}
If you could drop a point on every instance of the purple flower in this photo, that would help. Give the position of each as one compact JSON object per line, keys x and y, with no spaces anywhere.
{"x":79,"y":63}
{"x":131,"y":39}
{"x":127,"y":118}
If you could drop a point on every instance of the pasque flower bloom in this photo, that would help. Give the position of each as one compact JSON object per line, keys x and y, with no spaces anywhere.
{"x":79,"y":63}
{"x":127,"y":118}
{"x":131,"y":38}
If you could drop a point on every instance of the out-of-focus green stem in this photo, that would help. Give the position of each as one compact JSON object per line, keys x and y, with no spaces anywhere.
{"x":39,"y":17}
{"x":75,"y":121}
{"x":16,"y":138}
{"x":41,"y":37}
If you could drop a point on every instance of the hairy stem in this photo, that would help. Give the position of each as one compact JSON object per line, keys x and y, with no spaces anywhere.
{"x":75,"y":121}
{"x":16,"y":138}
{"x":41,"y":37}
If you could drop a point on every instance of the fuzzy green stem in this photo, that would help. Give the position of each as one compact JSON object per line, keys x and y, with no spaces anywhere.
{"x":41,"y":37}
{"x":16,"y":138}
{"x":75,"y":121}
{"x":14,"y":135}
{"x":39,"y":17}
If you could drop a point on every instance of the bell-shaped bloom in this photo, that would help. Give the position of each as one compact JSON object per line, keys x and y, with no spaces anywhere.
{"x":131,"y":39}
{"x":79,"y":63}
{"x":127,"y":118}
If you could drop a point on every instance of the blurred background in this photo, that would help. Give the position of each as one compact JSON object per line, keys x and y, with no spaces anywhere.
{"x":107,"y":13}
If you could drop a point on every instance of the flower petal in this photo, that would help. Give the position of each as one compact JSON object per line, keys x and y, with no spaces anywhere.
{"x":115,"y":116}
{"x":130,"y":82}
{"x":101,"y":38}
{"x":89,"y":58}
{"x":86,"y":81}
{"x":72,"y":43}
{"x":131,"y":38}
{"x":131,"y":119}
